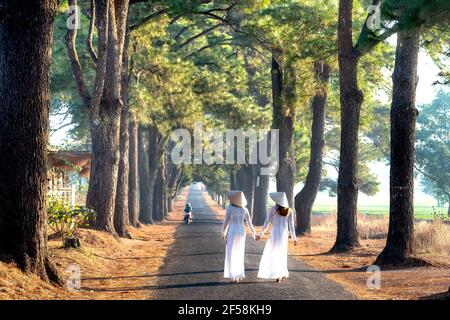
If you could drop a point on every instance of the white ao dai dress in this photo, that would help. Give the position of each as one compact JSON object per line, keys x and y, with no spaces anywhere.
{"x":273,"y":264}
{"x":234,"y":230}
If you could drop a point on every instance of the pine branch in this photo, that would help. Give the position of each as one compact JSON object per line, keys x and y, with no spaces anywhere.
{"x":89,"y":45}
{"x":70,"y":42}
{"x":211,"y":45}
{"x":102,"y":18}
{"x":149,"y":18}
{"x":198,"y":35}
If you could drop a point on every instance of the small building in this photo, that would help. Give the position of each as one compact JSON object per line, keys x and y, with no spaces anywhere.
{"x":68,"y":175}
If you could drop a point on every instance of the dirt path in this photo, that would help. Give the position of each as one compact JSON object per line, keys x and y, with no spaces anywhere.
{"x":193,"y":267}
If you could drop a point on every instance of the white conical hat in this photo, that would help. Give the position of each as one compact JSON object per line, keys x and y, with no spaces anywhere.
{"x":237,"y":197}
{"x":280,"y":198}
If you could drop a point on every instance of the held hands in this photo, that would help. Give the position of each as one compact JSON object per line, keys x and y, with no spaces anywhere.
{"x":295,"y":242}
{"x":257,"y":238}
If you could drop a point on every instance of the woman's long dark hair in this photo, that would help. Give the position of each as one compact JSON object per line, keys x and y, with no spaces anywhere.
{"x":282,"y":211}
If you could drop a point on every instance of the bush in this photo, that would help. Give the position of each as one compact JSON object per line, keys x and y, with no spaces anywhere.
{"x":64,"y":220}
{"x":432,"y":237}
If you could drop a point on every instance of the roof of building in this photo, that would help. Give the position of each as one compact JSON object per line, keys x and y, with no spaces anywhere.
{"x":71,"y":161}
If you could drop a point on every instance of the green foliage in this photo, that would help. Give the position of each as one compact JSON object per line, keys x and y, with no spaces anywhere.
{"x":406,"y":15}
{"x":367,"y":182}
{"x":373,"y":146}
{"x":64,"y":219}
{"x":416,"y":13}
{"x":330,"y":185}
{"x":433,"y":147}
{"x":161,"y":91}
{"x":65,"y":101}
{"x":215,"y":178}
{"x":378,"y":131}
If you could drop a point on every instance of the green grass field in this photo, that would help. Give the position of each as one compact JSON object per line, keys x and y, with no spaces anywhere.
{"x":420,"y":212}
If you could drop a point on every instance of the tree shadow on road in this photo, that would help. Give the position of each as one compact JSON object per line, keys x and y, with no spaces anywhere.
{"x":360,"y":269}
{"x":175,"y":286}
{"x":174,"y":274}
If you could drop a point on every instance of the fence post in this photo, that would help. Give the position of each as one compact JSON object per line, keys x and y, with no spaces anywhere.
{"x":73,"y":195}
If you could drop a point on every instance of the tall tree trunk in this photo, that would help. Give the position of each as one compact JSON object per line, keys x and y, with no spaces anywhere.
{"x":121,"y":214}
{"x":165,"y":192}
{"x":224,"y":201}
{"x":145,"y":186}
{"x":244,"y":179}
{"x":156,"y":146}
{"x":166,"y":211}
{"x":158,"y":195}
{"x":133,"y":181}
{"x":26,"y":30}
{"x":169,"y":203}
{"x":304,"y":200}
{"x":172,"y":175}
{"x":104,"y":169}
{"x":351,"y":99}
{"x":403,"y":122}
{"x":283,"y":95}
{"x":105,"y":105}
{"x":233,"y":182}
{"x":261,"y":183}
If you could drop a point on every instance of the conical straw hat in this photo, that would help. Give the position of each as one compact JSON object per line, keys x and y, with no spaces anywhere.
{"x":237,"y":198}
{"x":280,"y":198}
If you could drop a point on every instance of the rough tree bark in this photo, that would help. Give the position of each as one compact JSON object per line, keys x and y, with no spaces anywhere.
{"x":171,"y":186}
{"x":145,"y":189}
{"x":224,"y":201}
{"x":233,"y":182}
{"x":166,"y":209}
{"x":165,"y":184}
{"x":174,"y":176}
{"x":133,"y":181}
{"x":244,"y":180}
{"x":121,"y":214}
{"x":169,"y":203}
{"x":156,"y":146}
{"x":104,"y":170}
{"x":158,"y":195}
{"x":26,"y":30}
{"x":304,"y":200}
{"x":261,"y":185}
{"x":351,"y":98}
{"x":403,"y":121}
{"x":283,"y":95}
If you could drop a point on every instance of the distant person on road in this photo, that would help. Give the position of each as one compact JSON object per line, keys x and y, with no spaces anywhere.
{"x":233,"y":231}
{"x":188,"y":218}
{"x":273,"y":263}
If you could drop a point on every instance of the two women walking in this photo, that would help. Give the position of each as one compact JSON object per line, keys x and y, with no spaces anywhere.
{"x":273,"y":263}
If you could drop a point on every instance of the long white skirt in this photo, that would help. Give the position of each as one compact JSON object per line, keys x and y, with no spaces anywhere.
{"x":273,"y":263}
{"x":234,"y":252}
